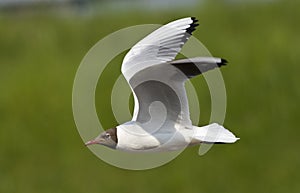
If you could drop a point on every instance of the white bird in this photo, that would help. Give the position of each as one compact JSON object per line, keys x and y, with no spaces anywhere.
{"x":161,"y":120}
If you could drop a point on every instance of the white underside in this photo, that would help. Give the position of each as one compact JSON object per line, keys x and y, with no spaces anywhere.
{"x":132,"y":137}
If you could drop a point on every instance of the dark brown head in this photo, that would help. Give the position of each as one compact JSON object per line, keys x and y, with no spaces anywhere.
{"x":107,"y":138}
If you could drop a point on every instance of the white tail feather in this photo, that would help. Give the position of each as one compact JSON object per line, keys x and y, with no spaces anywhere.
{"x":214,"y":133}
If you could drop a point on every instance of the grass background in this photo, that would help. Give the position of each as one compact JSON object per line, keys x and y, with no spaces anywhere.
{"x":41,"y":150}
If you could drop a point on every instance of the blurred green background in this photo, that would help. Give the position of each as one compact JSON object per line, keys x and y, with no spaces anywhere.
{"x":41,"y":49}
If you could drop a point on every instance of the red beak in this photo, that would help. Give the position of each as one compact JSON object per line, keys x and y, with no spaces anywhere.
{"x":91,"y":142}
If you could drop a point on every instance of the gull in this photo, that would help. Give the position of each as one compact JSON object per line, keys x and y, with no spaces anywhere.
{"x":161,"y":120}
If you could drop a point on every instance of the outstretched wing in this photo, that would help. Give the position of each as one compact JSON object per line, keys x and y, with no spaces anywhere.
{"x":159,"y":93}
{"x":158,"y":99}
{"x":157,"y":81}
{"x":160,"y":46}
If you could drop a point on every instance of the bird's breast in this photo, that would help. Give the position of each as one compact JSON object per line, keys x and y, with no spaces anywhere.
{"x":135,"y":138}
{"x":132,"y":138}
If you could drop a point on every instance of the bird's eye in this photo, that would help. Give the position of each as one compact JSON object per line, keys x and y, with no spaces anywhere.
{"x":107,"y":135}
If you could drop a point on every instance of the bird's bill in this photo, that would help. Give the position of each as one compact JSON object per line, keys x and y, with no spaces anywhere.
{"x":92,"y":142}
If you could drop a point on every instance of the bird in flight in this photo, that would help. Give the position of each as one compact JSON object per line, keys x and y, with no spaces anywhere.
{"x":161,"y":120}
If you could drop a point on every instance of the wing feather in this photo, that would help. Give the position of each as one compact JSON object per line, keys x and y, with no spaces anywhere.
{"x":160,"y":46}
{"x":158,"y":87}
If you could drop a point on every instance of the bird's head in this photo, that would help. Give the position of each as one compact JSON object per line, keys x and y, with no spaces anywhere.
{"x":107,"y":138}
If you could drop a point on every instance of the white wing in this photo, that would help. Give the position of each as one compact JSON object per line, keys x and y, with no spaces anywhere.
{"x":160,"y":46}
{"x":157,"y":82}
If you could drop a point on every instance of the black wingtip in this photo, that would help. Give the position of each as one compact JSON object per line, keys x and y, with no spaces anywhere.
{"x":193,"y":26}
{"x":194,"y":19}
{"x":222,"y":63}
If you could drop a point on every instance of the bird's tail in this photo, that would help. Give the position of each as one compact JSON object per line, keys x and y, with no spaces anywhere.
{"x":214,"y":133}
